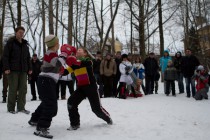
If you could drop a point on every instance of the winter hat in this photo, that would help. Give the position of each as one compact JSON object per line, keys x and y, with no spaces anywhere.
{"x":200,"y":67}
{"x":51,"y":40}
{"x":124,"y":56}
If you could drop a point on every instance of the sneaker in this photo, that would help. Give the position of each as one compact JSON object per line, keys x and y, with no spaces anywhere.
{"x":42,"y":132}
{"x":32,"y":123}
{"x":73,"y":127}
{"x":12,"y":112}
{"x":110,"y":122}
{"x":24,"y":111}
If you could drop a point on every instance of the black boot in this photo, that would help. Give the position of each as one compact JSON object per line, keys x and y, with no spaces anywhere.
{"x":33,"y":99}
{"x":4,"y":100}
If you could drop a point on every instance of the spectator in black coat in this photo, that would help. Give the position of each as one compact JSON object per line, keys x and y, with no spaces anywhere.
{"x":36,"y":68}
{"x":177,"y":65}
{"x":151,"y":68}
{"x":188,"y":66}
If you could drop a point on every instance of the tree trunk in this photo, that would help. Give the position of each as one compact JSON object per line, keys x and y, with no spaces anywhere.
{"x":56,"y":18}
{"x":51,"y":27}
{"x":141,"y":29}
{"x":76,"y":27}
{"x":2,"y":26}
{"x":19,"y":12}
{"x":110,"y":25}
{"x":113,"y":38}
{"x":86,"y":24}
{"x":12,"y":15}
{"x":70,"y":22}
{"x":186,"y":28}
{"x":160,"y":28}
{"x":43,"y":25}
{"x":131,"y":29}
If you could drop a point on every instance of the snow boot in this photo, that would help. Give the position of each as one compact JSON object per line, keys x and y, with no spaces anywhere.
{"x":73,"y":127}
{"x":42,"y":132}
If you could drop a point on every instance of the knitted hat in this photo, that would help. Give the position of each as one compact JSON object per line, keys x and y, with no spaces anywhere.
{"x":200,"y":67}
{"x":51,"y":40}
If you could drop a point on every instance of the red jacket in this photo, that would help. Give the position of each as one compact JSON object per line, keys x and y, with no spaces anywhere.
{"x":202,"y":80}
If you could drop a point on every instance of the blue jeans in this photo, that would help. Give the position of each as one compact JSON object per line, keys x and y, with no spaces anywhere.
{"x":180,"y":82}
{"x":189,"y":81}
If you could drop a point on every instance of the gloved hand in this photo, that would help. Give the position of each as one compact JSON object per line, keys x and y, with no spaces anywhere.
{"x":67,"y":50}
{"x":127,"y":68}
{"x":71,"y":60}
{"x":126,"y":73}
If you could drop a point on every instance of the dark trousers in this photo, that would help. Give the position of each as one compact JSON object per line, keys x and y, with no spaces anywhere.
{"x":115,"y":83}
{"x":5,"y":86}
{"x":156,"y":86}
{"x":33,"y":88}
{"x":122,"y":90}
{"x":62,"y":85}
{"x":48,"y":107}
{"x":170,"y":84}
{"x":189,"y":81}
{"x":180,"y":82}
{"x":108,"y":86}
{"x":76,"y":98}
{"x":149,"y":84}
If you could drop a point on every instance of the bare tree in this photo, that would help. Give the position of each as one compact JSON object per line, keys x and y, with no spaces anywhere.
{"x":56,"y":18}
{"x":86,"y":23}
{"x":51,"y":27}
{"x":113,"y":38}
{"x":43,"y":25}
{"x":70,"y":22}
{"x":110,"y":25}
{"x":19,"y":12}
{"x":2,"y":8}
{"x":160,"y":27}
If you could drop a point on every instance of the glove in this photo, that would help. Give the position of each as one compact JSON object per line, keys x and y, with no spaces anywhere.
{"x":126,"y":73}
{"x":67,"y":50}
{"x":71,"y":60}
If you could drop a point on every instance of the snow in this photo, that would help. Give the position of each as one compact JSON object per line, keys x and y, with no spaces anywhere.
{"x":152,"y":117}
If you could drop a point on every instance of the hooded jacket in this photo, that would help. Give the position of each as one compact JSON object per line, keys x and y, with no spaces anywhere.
{"x":164,"y":61}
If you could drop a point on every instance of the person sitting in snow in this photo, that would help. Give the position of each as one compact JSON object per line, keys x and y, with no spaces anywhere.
{"x":202,"y":87}
{"x":140,"y":72}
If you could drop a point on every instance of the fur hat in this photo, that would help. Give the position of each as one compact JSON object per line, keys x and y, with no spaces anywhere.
{"x":51,"y":40}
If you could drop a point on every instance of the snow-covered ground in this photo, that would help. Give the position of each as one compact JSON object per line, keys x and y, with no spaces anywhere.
{"x":152,"y":117}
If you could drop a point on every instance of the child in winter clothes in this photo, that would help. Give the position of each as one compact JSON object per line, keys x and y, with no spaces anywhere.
{"x":86,"y":88}
{"x":125,"y":78}
{"x":47,"y":80}
{"x":139,"y":71}
{"x":202,"y":87}
{"x":170,"y":75}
